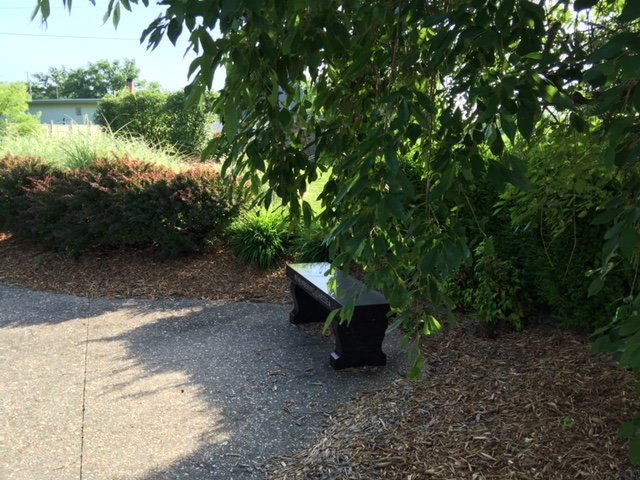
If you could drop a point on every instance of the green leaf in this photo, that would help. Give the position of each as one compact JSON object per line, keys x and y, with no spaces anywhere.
{"x":451,"y":318}
{"x":630,"y":358}
{"x":606,"y":217}
{"x":394,"y":326}
{"x":231,"y":119}
{"x":526,"y":121}
{"x":629,"y":241}
{"x":497,"y":175}
{"x":630,"y":12}
{"x":629,"y":327}
{"x":634,"y":450}
{"x":504,"y":11}
{"x":416,"y":371}
{"x":611,"y":49}
{"x":174,"y":30}
{"x":627,"y":430}
{"x":284,"y":117}
{"x":583,"y":4}
{"x":281,"y":8}
{"x":403,"y":113}
{"x":116,"y":15}
{"x":307,"y":213}
{"x":601,"y":345}
{"x":636,"y":99}
{"x":330,"y":318}
{"x":578,"y":122}
{"x":44,"y":7}
{"x":497,"y":146}
{"x":595,"y":76}
{"x":431,"y":325}
{"x":595,"y":286}
{"x":508,"y":126}
{"x":630,"y":67}
{"x":391,"y":157}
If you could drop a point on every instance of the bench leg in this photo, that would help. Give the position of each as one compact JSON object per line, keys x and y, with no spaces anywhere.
{"x":359,"y":343}
{"x":306,"y":309}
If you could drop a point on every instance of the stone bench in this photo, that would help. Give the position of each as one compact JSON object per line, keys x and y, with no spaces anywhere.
{"x":360,"y":342}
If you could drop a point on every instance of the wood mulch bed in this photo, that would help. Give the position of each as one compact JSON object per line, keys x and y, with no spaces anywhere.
{"x":530,"y":405}
{"x":214,"y":274}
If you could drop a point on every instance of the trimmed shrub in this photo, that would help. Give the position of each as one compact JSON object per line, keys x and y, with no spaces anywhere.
{"x":123,"y":202}
{"x":260,"y":238}
{"x":16,"y":176}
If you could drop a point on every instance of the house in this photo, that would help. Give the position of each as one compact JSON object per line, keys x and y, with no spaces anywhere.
{"x":65,"y":111}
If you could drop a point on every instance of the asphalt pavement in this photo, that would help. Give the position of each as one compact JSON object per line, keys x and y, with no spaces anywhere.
{"x":162,"y":389}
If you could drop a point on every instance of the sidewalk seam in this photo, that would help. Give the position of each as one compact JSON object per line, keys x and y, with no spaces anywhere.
{"x":84,"y":390}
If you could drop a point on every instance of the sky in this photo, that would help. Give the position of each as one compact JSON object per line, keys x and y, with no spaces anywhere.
{"x":73,"y":40}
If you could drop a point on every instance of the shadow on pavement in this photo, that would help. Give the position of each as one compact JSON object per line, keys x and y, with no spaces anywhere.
{"x":199,"y":389}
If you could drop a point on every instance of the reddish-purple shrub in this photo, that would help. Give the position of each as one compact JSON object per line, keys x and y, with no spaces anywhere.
{"x":122,"y":202}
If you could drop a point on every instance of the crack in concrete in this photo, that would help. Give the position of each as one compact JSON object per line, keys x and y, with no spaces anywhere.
{"x":84,"y":390}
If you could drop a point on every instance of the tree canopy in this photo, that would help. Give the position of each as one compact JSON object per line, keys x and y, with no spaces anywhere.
{"x":95,"y":80}
{"x":14,"y":109}
{"x":456,"y":88}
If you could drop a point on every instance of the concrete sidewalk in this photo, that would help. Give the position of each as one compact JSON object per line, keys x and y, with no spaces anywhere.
{"x":124,"y":389}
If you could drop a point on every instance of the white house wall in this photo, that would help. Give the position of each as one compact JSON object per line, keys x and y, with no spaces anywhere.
{"x":64,"y":113}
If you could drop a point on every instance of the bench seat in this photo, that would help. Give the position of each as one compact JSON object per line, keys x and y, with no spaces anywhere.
{"x":360,"y":342}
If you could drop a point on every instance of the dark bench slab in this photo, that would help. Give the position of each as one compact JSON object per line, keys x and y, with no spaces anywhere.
{"x":360,"y":342}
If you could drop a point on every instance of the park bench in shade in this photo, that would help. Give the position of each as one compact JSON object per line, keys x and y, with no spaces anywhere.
{"x":360,"y":342}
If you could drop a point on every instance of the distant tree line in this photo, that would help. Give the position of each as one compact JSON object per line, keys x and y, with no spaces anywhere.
{"x":95,"y":80}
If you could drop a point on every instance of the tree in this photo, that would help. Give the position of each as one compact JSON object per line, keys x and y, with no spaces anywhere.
{"x":14,"y":110}
{"x":451,"y":85}
{"x":159,"y":118}
{"x":95,"y":80}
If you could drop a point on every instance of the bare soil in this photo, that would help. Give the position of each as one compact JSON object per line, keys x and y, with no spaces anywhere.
{"x":530,"y":405}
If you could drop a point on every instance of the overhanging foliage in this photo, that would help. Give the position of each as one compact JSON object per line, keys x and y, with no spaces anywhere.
{"x":443,"y":83}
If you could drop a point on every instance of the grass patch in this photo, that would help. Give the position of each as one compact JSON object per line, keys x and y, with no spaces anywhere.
{"x":80,"y":149}
{"x":314,"y":189}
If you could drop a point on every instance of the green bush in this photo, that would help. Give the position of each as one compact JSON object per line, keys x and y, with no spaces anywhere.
{"x":122,"y":202}
{"x":498,"y":285}
{"x":490,"y":289}
{"x":260,"y":238}
{"x":159,"y":118}
{"x":568,"y":183}
{"x":546,"y":233}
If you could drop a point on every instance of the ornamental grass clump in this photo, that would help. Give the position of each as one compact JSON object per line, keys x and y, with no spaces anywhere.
{"x":260,"y":238}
